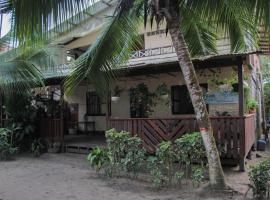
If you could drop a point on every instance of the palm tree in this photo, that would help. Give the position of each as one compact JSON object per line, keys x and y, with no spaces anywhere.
{"x":192,"y":25}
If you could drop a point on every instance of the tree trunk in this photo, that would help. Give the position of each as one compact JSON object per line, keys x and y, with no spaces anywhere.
{"x":217,"y":179}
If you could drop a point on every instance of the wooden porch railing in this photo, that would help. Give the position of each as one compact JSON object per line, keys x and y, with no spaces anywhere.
{"x":51,"y":129}
{"x":234,"y":135}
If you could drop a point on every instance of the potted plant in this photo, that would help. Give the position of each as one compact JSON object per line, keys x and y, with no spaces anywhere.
{"x":252,"y":105}
{"x":162,"y":91}
{"x":117,"y":92}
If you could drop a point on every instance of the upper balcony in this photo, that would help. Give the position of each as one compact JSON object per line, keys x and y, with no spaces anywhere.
{"x":152,"y":56}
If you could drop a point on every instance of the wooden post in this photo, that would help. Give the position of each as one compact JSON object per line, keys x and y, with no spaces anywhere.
{"x":62,"y":102}
{"x":241,"y":112}
{"x":108,"y":109}
{"x":240,"y":86}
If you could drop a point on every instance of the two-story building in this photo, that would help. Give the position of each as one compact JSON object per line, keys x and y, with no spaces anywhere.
{"x":150,"y":98}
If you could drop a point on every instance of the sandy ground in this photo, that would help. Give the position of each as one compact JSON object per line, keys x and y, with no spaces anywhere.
{"x":68,"y":177}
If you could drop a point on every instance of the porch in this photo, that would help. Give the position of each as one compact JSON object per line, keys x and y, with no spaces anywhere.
{"x":234,"y":134}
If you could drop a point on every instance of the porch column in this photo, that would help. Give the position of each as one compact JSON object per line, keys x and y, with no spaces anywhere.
{"x":108,"y":109}
{"x":62,"y":105}
{"x":240,"y":86}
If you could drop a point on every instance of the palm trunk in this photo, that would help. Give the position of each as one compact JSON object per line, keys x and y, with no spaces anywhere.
{"x":217,"y":179}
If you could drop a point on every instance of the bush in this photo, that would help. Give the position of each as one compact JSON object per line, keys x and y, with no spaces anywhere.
{"x":37,"y":147}
{"x":123,"y":153}
{"x":134,"y":157}
{"x":161,"y":166}
{"x":6,"y":148}
{"x":99,"y":160}
{"x":259,"y":177}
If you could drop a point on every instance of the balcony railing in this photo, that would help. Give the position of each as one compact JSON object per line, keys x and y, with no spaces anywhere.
{"x":152,"y":52}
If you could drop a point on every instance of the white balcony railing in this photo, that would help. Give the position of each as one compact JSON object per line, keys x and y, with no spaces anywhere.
{"x":152,"y":52}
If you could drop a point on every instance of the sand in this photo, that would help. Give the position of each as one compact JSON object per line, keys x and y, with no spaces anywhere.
{"x":68,"y":177}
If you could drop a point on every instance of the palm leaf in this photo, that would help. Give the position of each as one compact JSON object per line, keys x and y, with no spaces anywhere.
{"x":233,"y":20}
{"x":21,"y":70}
{"x":32,"y":19}
{"x":110,"y":51}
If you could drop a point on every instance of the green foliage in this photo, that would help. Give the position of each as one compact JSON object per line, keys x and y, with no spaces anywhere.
{"x":123,"y":153}
{"x":21,"y":116}
{"x":134,"y":157}
{"x":162,"y":89}
{"x":99,"y":159}
{"x":161,"y":166}
{"x":142,"y":101}
{"x":6,"y":144}
{"x":197,"y":175}
{"x":37,"y":147}
{"x":184,"y":151}
{"x":190,"y":148}
{"x":267,"y":97}
{"x":259,"y":177}
{"x":252,"y":104}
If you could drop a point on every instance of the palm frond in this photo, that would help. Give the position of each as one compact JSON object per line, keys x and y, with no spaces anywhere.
{"x":32,"y":19}
{"x":112,"y":48}
{"x":22,"y":70}
{"x":200,"y":36}
{"x":233,"y":19}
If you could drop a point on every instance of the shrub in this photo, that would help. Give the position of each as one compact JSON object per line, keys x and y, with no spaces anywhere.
{"x":6,"y":148}
{"x":190,"y":147}
{"x":37,"y":147}
{"x":116,"y":144}
{"x":134,"y":157}
{"x":259,"y":177}
{"x":123,"y":153}
{"x":99,"y":159}
{"x":161,"y":166}
{"x":197,"y":175}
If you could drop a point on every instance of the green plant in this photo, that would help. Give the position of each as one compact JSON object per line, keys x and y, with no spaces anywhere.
{"x":6,"y":148}
{"x":251,"y":104}
{"x":22,"y":117}
{"x":190,"y":147}
{"x":141,"y":101}
{"x":162,"y":89}
{"x":197,"y":175}
{"x":178,"y":177}
{"x":134,"y":158}
{"x":161,"y":166}
{"x":259,"y":177}
{"x":99,"y":159}
{"x":125,"y":152}
{"x":37,"y":147}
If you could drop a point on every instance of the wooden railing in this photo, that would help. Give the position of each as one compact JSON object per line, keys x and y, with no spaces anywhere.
{"x":152,"y":52}
{"x":234,"y":135}
{"x":51,"y":129}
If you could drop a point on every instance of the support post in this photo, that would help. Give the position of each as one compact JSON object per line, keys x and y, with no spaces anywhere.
{"x":240,"y":86}
{"x":241,"y":112}
{"x":108,"y":109}
{"x":62,"y":105}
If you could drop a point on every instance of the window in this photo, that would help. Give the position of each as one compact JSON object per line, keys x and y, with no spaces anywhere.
{"x":181,"y":102}
{"x":93,"y":104}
